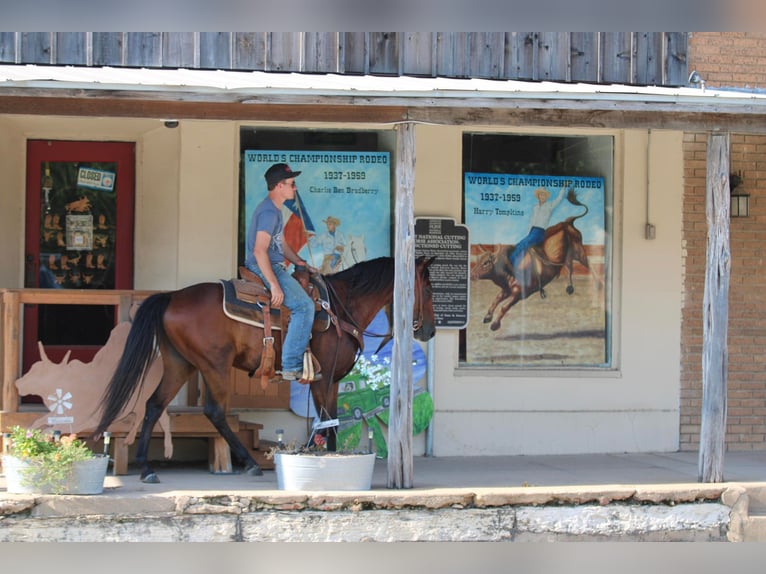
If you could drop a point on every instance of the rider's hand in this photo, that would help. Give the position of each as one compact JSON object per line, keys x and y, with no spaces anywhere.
{"x":277,"y":296}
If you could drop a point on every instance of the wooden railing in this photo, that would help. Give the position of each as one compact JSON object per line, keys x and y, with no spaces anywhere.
{"x":12,"y":302}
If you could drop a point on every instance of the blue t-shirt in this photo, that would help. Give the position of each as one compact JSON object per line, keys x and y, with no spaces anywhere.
{"x":266,"y":217}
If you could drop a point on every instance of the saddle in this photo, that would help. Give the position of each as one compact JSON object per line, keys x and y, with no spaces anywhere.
{"x":248,"y":300}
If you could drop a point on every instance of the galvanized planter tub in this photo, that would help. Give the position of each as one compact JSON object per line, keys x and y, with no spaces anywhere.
{"x":87,"y":477}
{"x":306,"y":471}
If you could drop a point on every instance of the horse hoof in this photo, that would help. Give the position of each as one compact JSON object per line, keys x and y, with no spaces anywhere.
{"x":151,"y":478}
{"x":495,"y":326}
{"x":570,"y":289}
{"x":254,"y":471}
{"x":543,"y":294}
{"x":487,"y":318}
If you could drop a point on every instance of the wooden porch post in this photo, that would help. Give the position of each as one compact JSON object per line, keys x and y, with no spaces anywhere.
{"x":400,"y":464}
{"x":715,"y":353}
{"x":11,"y":317}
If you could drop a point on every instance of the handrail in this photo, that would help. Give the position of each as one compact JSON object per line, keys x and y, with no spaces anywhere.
{"x":11,"y":304}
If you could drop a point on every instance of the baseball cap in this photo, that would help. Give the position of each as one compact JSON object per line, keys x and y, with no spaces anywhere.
{"x":278,"y":172}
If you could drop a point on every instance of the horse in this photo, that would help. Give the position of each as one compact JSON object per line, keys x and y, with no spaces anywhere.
{"x":543,"y":263}
{"x":191,"y":332}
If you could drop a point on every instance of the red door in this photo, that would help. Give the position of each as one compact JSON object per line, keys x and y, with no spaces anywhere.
{"x":79,"y":235}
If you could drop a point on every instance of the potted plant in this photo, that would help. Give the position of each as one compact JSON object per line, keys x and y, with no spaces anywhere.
{"x":313,"y":467}
{"x":38,"y":462}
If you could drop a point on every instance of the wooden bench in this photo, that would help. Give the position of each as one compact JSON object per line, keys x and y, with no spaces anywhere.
{"x":185,"y":422}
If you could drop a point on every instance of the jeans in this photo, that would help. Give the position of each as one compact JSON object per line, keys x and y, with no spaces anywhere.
{"x":534,"y":237}
{"x":301,"y":307}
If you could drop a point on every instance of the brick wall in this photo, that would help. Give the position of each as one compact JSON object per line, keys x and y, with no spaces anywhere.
{"x":746,"y":424}
{"x":731,"y":60}
{"x":728,"y":59}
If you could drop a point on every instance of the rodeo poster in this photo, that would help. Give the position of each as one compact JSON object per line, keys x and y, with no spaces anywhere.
{"x":342,"y":209}
{"x":538,"y":260}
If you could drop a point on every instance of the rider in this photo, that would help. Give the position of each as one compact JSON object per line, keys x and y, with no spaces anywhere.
{"x":541,"y":216}
{"x":266,"y":252}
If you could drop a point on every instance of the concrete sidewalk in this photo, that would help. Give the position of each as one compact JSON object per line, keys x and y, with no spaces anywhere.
{"x":475,"y":472}
{"x":628,"y":497}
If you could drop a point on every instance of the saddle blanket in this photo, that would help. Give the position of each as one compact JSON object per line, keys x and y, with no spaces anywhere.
{"x":243,"y":311}
{"x":252,"y":313}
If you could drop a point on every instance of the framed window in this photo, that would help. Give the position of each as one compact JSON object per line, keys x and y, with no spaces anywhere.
{"x":538,"y":209}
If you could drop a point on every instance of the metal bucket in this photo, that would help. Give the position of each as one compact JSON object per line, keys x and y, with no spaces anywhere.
{"x":87,"y":477}
{"x":324,"y":471}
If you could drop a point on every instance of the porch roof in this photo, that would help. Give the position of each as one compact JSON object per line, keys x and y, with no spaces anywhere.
{"x":247,"y":86}
{"x":273,"y":96}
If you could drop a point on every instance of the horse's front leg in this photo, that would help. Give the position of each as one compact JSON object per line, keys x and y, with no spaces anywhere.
{"x":325,"y":396}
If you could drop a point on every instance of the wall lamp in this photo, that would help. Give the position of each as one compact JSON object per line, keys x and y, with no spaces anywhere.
{"x":740,"y":199}
{"x":696,"y":80}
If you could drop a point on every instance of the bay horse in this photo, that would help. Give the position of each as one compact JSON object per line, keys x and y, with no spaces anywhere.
{"x":543,"y":263}
{"x":191,"y":332}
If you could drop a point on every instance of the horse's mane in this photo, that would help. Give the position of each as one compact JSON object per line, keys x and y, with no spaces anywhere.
{"x":366,"y":277}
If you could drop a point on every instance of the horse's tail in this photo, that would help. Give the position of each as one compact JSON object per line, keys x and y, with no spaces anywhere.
{"x":140,"y":350}
{"x":572,"y":198}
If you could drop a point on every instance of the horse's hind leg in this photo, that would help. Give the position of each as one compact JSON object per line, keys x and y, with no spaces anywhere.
{"x":176,"y":373}
{"x":217,"y":384}
{"x":152,"y":414}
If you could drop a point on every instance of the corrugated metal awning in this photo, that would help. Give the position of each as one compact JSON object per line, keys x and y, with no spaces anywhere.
{"x":260,"y":87}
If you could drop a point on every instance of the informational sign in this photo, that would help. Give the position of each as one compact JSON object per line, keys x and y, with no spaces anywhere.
{"x":79,"y":232}
{"x":95,"y":179}
{"x":449,"y":272}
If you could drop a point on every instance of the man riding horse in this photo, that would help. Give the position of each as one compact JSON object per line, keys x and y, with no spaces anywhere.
{"x":541,"y":216}
{"x":266,"y":251}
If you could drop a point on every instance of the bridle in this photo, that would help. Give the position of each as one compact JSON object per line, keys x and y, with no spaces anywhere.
{"x":417,"y":320}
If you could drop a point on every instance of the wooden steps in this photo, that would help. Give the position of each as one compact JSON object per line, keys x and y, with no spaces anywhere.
{"x":249,"y":434}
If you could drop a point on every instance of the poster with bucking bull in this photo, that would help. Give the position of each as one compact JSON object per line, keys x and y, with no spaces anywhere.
{"x":538,"y":259}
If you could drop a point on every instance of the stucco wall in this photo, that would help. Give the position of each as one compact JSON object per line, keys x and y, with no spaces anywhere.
{"x":186,"y":214}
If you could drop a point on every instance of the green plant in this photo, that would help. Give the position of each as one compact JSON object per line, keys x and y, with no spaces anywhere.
{"x":50,"y":461}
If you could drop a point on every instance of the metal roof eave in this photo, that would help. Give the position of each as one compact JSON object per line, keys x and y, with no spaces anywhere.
{"x":272,"y":87}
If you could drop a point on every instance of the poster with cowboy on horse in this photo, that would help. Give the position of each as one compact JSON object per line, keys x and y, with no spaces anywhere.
{"x":538,"y":246}
{"x":341,"y":212}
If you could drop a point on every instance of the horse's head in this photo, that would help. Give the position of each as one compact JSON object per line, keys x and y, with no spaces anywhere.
{"x":423,"y":322}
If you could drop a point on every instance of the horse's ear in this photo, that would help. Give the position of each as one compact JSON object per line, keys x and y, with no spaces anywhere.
{"x":429,"y":261}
